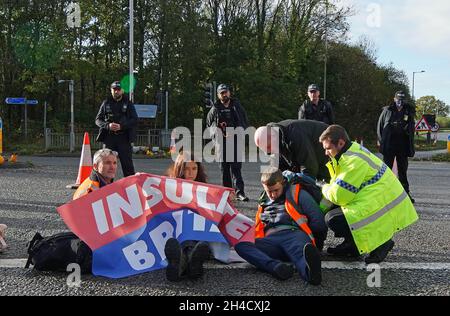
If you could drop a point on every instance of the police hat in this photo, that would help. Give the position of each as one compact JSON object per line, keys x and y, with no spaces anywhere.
{"x":116,"y":85}
{"x":400,"y":95}
{"x":313,"y":87}
{"x":222,"y":87}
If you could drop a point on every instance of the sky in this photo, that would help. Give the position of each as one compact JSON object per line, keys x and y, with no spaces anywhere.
{"x":413,"y":35}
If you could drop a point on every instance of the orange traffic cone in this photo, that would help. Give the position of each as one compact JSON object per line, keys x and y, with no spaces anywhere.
{"x":13,"y":158}
{"x":85,"y":163}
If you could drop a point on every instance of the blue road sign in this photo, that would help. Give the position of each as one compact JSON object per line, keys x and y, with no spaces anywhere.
{"x":32,"y":102}
{"x":146,"y":110}
{"x":15,"y":100}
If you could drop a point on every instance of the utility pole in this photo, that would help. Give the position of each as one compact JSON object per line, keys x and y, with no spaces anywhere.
{"x":131,"y":51}
{"x":326,"y":52}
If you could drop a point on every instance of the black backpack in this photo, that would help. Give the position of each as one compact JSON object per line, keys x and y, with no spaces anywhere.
{"x":309,"y":185}
{"x":56,"y":252}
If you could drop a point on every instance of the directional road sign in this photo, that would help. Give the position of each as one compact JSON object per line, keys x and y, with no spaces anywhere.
{"x":16,"y":100}
{"x":146,"y":110}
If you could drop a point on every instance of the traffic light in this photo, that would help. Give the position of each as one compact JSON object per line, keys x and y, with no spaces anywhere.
{"x":208,"y":100}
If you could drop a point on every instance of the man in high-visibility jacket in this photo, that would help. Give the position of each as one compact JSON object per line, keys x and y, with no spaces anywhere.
{"x":287,"y":224}
{"x":373,"y":203}
{"x":103,"y":173}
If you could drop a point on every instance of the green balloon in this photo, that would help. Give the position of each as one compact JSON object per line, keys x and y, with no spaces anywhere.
{"x":126,"y":83}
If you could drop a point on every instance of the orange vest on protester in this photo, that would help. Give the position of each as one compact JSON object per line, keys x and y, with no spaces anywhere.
{"x":90,"y":184}
{"x":293,"y":209}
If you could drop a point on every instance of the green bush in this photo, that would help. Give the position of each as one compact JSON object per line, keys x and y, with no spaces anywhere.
{"x":444,"y":122}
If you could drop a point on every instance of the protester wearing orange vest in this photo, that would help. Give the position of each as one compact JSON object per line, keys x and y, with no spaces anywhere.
{"x":104,"y":172}
{"x":286,"y":223}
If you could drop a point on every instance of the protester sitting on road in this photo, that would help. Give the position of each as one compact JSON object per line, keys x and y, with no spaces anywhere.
{"x":103,"y":173}
{"x":373,"y":203}
{"x":286,"y":223}
{"x":186,"y":260}
{"x":3,"y":244}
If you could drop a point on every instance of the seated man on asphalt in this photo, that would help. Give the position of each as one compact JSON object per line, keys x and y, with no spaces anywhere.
{"x":287,"y":222}
{"x":104,"y":172}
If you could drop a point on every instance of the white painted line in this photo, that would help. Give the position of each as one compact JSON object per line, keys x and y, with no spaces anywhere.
{"x":12,"y":263}
{"x":342,"y":265}
{"x":387,"y":265}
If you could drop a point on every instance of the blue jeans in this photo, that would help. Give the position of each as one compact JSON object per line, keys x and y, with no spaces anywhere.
{"x":284,"y":246}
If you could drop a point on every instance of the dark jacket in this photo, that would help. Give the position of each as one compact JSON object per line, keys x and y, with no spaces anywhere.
{"x":322,"y":113}
{"x":274,"y":212}
{"x":300,"y":146}
{"x":122,"y":112}
{"x":238,"y":111}
{"x":386,"y":125}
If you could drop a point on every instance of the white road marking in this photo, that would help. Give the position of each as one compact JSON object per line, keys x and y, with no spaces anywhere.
{"x":12,"y":263}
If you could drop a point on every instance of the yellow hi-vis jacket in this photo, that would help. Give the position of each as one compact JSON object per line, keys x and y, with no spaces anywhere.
{"x":373,"y":200}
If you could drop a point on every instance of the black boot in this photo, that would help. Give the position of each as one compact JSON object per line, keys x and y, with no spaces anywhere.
{"x":379,"y":254}
{"x":283,"y":271}
{"x":346,"y":249}
{"x":197,"y":255}
{"x":176,"y":269}
{"x":313,"y":263}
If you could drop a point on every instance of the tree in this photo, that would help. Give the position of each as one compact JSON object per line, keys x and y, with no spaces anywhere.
{"x":430,"y":105}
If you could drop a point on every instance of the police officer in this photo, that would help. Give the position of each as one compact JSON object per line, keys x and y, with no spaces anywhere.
{"x":294,"y":145}
{"x":396,"y":135}
{"x":315,"y":108}
{"x":227,"y":112}
{"x":117,"y":119}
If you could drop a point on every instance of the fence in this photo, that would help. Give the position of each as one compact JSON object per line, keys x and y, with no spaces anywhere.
{"x":150,"y":138}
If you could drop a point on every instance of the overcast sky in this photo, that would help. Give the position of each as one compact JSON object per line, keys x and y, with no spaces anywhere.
{"x":414,"y":35}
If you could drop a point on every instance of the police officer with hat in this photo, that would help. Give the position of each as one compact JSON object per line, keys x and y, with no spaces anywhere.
{"x":117,"y":120}
{"x":228,"y":113}
{"x":315,"y":108}
{"x":395,"y":130}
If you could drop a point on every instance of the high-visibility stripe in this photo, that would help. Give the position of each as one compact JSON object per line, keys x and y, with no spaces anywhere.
{"x":363,"y":157}
{"x":369,"y":220}
{"x":347,"y":186}
{"x":376,"y":178}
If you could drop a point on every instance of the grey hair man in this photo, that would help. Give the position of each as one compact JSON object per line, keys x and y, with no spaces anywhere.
{"x":103,"y":173}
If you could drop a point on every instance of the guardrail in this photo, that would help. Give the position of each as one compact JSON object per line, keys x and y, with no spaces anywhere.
{"x":150,"y":138}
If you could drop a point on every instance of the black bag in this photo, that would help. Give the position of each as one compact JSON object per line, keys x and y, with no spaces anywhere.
{"x":56,"y":252}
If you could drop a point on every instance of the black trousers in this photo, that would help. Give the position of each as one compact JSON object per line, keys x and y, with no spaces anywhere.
{"x":335,"y":220}
{"x":232,"y":175}
{"x":121,"y":144}
{"x":402,"y":165}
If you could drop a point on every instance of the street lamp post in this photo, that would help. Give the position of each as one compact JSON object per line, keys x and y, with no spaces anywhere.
{"x":72,"y":117}
{"x":414,"y":73}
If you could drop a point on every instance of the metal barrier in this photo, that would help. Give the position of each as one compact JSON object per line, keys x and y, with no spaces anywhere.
{"x":150,"y":138}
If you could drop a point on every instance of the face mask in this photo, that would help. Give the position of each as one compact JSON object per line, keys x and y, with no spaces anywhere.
{"x":399,"y":103}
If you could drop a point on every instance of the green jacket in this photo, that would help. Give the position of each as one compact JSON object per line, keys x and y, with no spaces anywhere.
{"x":374,"y":202}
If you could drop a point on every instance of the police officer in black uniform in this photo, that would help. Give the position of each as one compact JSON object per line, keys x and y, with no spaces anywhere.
{"x":316,"y":109}
{"x":228,"y":112}
{"x":396,"y":136}
{"x":117,"y":119}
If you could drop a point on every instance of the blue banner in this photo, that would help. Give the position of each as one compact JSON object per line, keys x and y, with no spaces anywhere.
{"x":143,"y":250}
